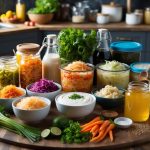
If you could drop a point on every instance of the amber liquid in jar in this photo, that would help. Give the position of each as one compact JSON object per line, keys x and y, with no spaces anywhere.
{"x":137,"y":101}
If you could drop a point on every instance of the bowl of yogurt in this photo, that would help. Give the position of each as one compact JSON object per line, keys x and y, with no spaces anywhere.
{"x":75,"y":104}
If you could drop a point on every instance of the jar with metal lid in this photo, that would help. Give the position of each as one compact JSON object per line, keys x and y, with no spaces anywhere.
{"x":9,"y":73}
{"x":147,"y":15}
{"x":137,"y":101}
{"x":30,"y":64}
{"x":126,"y":51}
{"x":137,"y":68}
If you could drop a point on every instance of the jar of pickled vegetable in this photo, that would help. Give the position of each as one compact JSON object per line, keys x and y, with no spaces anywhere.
{"x":30,"y":64}
{"x":9,"y":73}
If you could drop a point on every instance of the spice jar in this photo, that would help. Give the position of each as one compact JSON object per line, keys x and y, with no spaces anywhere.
{"x":147,"y":15}
{"x":30,"y":64}
{"x":8,"y":71}
{"x":137,"y":101}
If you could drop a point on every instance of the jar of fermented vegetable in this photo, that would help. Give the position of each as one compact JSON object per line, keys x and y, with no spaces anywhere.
{"x":30,"y":64}
{"x":8,"y":71}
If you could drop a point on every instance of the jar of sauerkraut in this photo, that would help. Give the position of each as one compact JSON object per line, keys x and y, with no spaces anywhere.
{"x":77,"y":76}
{"x":30,"y":64}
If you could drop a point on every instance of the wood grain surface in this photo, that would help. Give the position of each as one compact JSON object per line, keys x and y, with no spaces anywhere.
{"x":138,"y":134}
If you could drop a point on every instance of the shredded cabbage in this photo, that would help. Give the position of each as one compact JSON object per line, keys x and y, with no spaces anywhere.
{"x":43,"y":86}
{"x":113,"y":66}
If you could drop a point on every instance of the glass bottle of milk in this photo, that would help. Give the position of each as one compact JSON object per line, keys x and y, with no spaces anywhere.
{"x":51,"y":59}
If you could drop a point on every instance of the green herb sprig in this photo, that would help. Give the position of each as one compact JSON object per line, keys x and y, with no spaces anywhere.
{"x":73,"y":134}
{"x":75,"y":96}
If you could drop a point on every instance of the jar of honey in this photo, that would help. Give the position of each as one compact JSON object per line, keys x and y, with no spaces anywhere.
{"x":137,"y":101}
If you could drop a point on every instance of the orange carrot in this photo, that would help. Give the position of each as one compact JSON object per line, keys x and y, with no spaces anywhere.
{"x":91,"y":125}
{"x":111,"y":135}
{"x":103,"y":133}
{"x":93,"y":120}
{"x":104,"y":125}
{"x":94,"y":130}
{"x":94,"y":139}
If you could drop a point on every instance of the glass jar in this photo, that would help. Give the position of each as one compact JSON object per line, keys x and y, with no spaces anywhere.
{"x":119,"y":78}
{"x":147,"y":15}
{"x":137,"y":69}
{"x":81,"y":81}
{"x":30,"y":64}
{"x":126,"y":51}
{"x":9,"y":73}
{"x":78,"y":13}
{"x":21,"y":10}
{"x":137,"y":101}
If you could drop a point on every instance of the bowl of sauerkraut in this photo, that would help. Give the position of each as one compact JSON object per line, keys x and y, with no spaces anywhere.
{"x":109,"y":96}
{"x":77,"y":76}
{"x":113,"y":73}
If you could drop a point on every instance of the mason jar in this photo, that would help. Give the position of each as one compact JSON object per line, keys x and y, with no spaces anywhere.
{"x":137,"y":101}
{"x":8,"y":71}
{"x":30,"y":64}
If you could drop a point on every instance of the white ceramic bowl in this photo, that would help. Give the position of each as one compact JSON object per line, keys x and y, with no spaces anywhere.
{"x":7,"y":102}
{"x":32,"y":116}
{"x":50,"y":95}
{"x":75,"y":111}
{"x":123,"y":122}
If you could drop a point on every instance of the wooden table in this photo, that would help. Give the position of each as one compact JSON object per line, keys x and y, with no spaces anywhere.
{"x":4,"y":146}
{"x":137,"y":135}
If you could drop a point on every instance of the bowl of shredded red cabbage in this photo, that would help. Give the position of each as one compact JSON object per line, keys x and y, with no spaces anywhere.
{"x":44,"y":88}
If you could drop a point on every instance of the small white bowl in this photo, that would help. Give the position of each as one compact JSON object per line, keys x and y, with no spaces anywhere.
{"x":123,"y":122}
{"x":7,"y":102}
{"x":32,"y":116}
{"x":75,"y":111}
{"x":49,"y":95}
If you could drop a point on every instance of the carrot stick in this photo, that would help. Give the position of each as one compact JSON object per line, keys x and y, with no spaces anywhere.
{"x":99,"y":138}
{"x":105,"y":124}
{"x":91,"y":125}
{"x":93,"y":120}
{"x":111,"y":135}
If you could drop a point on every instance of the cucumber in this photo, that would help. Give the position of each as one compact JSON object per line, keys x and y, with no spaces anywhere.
{"x":55,"y":131}
{"x":45,"y":133}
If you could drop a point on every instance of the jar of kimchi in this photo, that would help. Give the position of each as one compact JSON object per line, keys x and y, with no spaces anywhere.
{"x":30,"y":64}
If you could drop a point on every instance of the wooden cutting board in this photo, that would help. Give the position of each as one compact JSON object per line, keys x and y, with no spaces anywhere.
{"x":137,"y":134}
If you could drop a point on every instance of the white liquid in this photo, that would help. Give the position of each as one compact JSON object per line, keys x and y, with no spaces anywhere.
{"x":51,"y":64}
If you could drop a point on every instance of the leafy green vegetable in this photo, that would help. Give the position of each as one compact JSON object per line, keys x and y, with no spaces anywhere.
{"x":75,"y":96}
{"x":73,"y":134}
{"x":75,"y":44}
{"x":45,"y":7}
{"x":33,"y":134}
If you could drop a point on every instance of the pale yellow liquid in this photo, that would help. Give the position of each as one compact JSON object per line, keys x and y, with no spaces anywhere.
{"x":137,"y":105}
{"x":20,"y":11}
